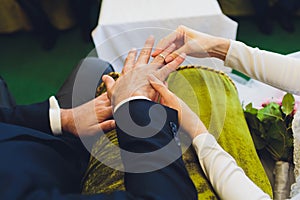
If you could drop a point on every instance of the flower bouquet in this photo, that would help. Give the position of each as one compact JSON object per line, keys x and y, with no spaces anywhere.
{"x":271,"y":129}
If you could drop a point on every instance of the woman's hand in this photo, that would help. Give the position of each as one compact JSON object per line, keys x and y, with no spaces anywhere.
{"x":193,"y":43}
{"x":188,"y":120}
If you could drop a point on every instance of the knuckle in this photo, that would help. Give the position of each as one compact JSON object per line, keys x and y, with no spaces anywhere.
{"x":144,"y":53}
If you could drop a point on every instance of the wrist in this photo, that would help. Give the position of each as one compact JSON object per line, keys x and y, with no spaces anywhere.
{"x":67,"y":121}
{"x":201,"y":129}
{"x":193,"y":125}
{"x":127,"y":100}
{"x":220,"y":48}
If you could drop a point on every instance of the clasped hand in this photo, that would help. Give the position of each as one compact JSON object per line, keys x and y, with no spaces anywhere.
{"x":95,"y":116}
{"x":141,"y":79}
{"x":138,"y":78}
{"x":134,"y":77}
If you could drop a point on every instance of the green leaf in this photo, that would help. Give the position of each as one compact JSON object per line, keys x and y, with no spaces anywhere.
{"x":257,"y":130}
{"x":270,"y":113}
{"x":288,"y":103}
{"x":276,"y":149}
{"x":258,"y":141}
{"x":278,"y":131}
{"x":289,"y":138}
{"x":270,"y":127}
{"x":252,"y":120}
{"x":249,"y":109}
{"x":281,"y":148}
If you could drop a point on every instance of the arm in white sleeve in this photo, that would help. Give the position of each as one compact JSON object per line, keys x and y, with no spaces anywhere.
{"x":54,"y":116}
{"x":226,"y":177}
{"x":277,"y":70}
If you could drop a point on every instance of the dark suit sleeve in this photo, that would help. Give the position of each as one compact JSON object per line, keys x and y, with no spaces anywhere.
{"x":35,"y":167}
{"x":35,"y":116}
{"x":155,"y":170}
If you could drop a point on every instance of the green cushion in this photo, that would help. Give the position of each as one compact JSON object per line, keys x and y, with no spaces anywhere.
{"x":213,"y":96}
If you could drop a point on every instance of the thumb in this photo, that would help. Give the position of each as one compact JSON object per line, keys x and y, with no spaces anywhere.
{"x":158,"y":86}
{"x":109,"y":83}
{"x":107,"y":125}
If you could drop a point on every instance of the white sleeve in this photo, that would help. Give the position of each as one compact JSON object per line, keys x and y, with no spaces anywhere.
{"x":229,"y":180}
{"x":54,"y":116}
{"x":277,"y":70}
{"x":54,"y":112}
{"x":129,"y":99}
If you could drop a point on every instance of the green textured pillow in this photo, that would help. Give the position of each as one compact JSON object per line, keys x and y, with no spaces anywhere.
{"x":212,"y":95}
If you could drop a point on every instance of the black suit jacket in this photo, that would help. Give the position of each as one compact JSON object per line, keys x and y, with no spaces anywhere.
{"x":37,"y":165}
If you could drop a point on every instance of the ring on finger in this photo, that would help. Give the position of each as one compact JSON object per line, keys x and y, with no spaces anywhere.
{"x":160,"y":55}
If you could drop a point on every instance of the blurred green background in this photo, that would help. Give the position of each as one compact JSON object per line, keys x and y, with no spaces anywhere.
{"x":34,"y":74}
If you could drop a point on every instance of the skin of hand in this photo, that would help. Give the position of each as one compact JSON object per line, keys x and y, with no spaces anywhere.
{"x":193,"y":43}
{"x":188,"y":120}
{"x":133,"y":80}
{"x":90,"y":118}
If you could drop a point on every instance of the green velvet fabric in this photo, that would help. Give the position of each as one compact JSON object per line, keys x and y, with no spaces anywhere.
{"x":212,"y":95}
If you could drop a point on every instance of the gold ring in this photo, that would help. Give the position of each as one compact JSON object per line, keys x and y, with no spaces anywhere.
{"x":162,"y":56}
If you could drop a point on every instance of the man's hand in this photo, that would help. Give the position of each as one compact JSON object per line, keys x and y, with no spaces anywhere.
{"x":188,"y":120}
{"x":90,"y":118}
{"x":133,"y":80}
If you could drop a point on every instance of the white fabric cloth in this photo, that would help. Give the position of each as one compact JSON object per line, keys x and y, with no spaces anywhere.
{"x":126,"y":24}
{"x":226,"y":177}
{"x":277,"y":70}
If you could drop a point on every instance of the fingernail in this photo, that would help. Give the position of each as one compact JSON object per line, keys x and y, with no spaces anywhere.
{"x":173,"y":45}
{"x":169,"y":58}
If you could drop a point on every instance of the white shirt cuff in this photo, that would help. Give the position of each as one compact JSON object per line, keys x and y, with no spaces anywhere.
{"x":54,"y":116}
{"x":129,"y":99}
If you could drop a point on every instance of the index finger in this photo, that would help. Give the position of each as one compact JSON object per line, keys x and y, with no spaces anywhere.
{"x":160,"y":59}
{"x":164,"y":43}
